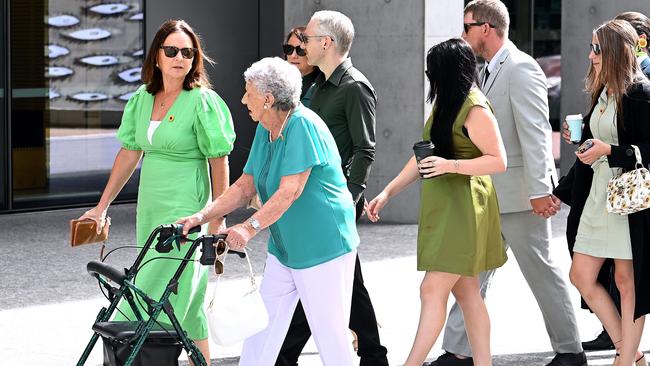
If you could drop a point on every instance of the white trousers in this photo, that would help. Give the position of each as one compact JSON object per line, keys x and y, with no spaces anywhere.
{"x":325,"y":291}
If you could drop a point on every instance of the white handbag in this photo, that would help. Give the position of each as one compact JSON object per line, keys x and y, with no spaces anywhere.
{"x":629,"y":192}
{"x":232,"y":319}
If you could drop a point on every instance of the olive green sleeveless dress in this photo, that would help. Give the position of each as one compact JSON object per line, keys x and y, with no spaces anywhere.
{"x":459,"y":228}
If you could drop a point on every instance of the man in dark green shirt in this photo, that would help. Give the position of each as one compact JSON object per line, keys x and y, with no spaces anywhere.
{"x":346,"y":101}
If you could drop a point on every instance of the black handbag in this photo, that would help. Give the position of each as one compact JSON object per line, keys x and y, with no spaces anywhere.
{"x":154,"y":352}
{"x":162,"y":347}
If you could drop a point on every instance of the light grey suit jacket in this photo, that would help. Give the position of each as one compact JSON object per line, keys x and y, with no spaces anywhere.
{"x":517,"y":90}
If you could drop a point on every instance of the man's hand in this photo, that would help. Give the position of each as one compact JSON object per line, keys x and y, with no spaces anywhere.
{"x":545,"y":206}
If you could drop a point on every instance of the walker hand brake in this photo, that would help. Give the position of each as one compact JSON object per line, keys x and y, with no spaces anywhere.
{"x":164,"y":245}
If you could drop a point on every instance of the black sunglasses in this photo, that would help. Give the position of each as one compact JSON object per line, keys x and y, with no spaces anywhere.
{"x":172,"y":51}
{"x":595,"y":47}
{"x":466,"y":26}
{"x":288,"y":50}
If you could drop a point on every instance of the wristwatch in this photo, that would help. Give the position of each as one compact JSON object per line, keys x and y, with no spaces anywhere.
{"x":255,"y":224}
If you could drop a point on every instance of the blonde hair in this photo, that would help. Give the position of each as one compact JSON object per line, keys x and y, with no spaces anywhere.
{"x":619,"y":68}
{"x":493,"y":12}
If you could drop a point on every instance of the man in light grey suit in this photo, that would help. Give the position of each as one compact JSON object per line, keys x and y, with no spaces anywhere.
{"x":516,"y":86}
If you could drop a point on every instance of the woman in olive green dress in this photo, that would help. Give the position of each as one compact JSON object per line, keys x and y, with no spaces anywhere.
{"x":459,"y":233}
{"x":183,"y":128}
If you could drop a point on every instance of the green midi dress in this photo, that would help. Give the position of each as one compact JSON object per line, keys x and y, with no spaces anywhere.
{"x":175,"y":182}
{"x":459,"y":228}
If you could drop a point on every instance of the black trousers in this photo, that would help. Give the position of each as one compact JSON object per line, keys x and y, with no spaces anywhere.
{"x":362,"y":321}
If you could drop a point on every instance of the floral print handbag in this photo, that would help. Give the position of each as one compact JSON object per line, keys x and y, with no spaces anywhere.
{"x":629,"y":192}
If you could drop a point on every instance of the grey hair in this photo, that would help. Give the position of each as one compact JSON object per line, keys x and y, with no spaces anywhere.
{"x":338,"y":26}
{"x":277,"y":77}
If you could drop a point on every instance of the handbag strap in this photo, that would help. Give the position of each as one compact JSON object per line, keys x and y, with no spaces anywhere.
{"x":250,"y":273}
{"x":637,"y":154}
{"x":107,"y":222}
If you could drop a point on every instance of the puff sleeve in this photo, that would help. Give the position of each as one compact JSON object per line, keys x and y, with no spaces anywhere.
{"x":306,"y":147}
{"x":126,"y":132}
{"x":214,"y":127}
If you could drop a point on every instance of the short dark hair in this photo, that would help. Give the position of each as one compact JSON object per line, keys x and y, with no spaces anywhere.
{"x":639,"y":21}
{"x":197,"y":76}
{"x":451,"y":70}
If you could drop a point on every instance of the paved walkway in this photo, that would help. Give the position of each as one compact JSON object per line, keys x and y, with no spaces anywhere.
{"x":48,"y":302}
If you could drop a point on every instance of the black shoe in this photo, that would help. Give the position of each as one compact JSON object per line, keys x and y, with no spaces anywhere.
{"x":450,"y":359}
{"x":601,"y":343}
{"x":569,"y":359}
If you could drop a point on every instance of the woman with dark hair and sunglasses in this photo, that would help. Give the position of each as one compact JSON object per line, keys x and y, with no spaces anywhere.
{"x":459,"y":233}
{"x":297,"y":56}
{"x":618,"y":119}
{"x":185,"y":131}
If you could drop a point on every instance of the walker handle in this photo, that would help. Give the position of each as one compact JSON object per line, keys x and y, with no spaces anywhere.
{"x":166,"y":231}
{"x":96,"y":268}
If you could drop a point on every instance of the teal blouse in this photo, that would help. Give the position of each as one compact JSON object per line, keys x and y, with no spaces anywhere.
{"x":320,"y":225}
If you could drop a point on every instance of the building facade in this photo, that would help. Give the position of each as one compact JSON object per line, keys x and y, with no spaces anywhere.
{"x":68,"y":66}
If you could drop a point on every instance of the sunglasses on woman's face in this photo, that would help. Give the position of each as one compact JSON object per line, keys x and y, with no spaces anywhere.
{"x":288,"y":50}
{"x":595,"y":47}
{"x":220,"y":251}
{"x":172,"y":51}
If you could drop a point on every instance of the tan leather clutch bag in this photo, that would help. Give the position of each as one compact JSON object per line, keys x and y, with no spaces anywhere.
{"x":85,"y":232}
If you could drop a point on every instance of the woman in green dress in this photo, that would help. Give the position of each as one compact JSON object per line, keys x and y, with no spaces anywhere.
{"x":185,"y":132}
{"x":459,"y":233}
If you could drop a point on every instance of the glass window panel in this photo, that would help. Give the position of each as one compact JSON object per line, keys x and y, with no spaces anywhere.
{"x":3,"y":123}
{"x":70,"y":82}
{"x":547,"y":33}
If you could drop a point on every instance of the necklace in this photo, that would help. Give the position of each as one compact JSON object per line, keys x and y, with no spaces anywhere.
{"x":281,"y":126}
{"x":166,"y":98}
{"x":162,"y":109}
{"x":602,"y":110}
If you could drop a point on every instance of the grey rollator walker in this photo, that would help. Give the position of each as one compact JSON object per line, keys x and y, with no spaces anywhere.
{"x":144,"y":341}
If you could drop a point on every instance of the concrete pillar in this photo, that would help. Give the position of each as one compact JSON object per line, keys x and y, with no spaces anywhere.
{"x":391,"y":40}
{"x":443,"y":20}
{"x":579,"y":18}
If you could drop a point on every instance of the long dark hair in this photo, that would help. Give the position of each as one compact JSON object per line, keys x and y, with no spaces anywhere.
{"x":197,"y":76}
{"x":451,"y":70}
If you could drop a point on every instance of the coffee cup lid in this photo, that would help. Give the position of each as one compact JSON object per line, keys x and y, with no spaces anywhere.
{"x":425,"y":144}
{"x":574,"y":116}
